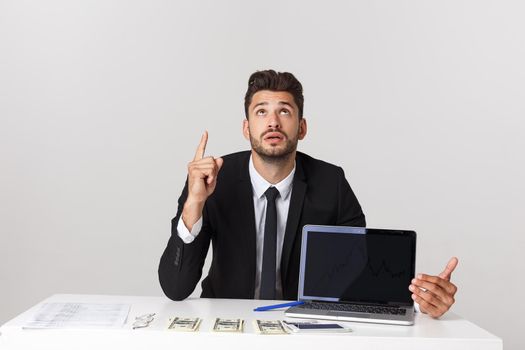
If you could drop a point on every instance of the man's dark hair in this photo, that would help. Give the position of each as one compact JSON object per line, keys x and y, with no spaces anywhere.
{"x":274,"y":81}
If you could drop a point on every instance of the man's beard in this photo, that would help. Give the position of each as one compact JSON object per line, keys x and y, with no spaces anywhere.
{"x":274,"y":154}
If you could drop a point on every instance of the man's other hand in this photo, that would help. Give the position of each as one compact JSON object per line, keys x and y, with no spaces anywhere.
{"x":435,"y":294}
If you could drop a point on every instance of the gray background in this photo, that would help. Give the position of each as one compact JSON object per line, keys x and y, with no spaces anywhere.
{"x":102,"y":104}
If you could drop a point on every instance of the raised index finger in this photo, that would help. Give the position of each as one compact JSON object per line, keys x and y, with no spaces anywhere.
{"x":202,"y":146}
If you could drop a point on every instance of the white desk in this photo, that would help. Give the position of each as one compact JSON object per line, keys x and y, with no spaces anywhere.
{"x":450,"y":333}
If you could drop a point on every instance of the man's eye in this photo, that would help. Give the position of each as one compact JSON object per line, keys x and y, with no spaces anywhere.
{"x":260,"y":112}
{"x":285,"y":111}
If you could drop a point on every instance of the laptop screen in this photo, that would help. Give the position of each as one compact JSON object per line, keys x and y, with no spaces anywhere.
{"x":357,"y":265}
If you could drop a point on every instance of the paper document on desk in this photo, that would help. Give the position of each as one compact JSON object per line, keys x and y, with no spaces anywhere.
{"x":79,"y":315}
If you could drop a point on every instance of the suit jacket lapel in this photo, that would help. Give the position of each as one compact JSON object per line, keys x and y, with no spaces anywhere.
{"x":294,"y":214}
{"x":247,"y":220}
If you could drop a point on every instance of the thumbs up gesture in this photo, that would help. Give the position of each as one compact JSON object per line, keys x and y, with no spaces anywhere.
{"x":435,"y":294}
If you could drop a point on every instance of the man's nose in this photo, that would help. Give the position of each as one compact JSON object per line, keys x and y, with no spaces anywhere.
{"x":273,"y":121}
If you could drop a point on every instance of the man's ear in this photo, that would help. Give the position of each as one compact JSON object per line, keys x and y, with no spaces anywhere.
{"x":303,"y":128}
{"x":246,"y":129}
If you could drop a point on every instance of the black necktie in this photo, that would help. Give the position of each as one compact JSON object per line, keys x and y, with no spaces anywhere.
{"x":270,"y":246}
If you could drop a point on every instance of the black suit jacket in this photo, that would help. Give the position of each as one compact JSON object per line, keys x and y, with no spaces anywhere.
{"x":320,"y":195}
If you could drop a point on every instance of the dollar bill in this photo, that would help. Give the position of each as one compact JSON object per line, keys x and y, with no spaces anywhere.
{"x":269,"y":327}
{"x":228,"y":325}
{"x":185,"y":324}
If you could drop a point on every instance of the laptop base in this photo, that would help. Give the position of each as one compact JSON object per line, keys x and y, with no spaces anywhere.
{"x":405,"y":320}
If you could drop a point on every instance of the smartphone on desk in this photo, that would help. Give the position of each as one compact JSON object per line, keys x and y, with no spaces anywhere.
{"x":300,"y":327}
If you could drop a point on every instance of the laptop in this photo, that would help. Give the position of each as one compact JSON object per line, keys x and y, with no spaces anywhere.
{"x":356,"y":274}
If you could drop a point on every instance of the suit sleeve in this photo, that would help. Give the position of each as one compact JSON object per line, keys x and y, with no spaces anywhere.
{"x":349,"y":209}
{"x":180,"y":266}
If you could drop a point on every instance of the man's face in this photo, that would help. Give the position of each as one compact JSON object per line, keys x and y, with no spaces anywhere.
{"x":273,"y":126}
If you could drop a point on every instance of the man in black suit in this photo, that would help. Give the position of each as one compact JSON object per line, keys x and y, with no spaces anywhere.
{"x":252,"y":206}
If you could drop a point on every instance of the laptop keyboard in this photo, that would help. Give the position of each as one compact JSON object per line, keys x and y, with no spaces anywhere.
{"x":371,"y":309}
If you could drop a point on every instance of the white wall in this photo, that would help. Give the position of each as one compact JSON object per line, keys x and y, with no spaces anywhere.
{"x":102,"y":104}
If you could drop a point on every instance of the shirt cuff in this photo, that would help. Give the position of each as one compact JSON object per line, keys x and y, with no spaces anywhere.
{"x":185,"y":234}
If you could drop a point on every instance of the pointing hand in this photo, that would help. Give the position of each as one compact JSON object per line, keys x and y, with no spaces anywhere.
{"x":202,"y":173}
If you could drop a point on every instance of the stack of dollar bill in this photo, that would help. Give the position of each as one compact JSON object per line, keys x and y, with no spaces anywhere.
{"x":269,"y":327}
{"x":185,"y":324}
{"x":228,"y":325}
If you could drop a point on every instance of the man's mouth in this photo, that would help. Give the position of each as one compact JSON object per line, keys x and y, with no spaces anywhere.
{"x":274,"y":136}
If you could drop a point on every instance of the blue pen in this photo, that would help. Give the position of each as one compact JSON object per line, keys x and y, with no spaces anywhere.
{"x":278,"y":306}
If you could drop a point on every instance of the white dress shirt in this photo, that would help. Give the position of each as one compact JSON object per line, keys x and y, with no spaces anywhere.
{"x":282,"y":203}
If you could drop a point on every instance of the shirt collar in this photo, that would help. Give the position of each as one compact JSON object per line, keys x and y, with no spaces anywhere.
{"x":260,"y":185}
